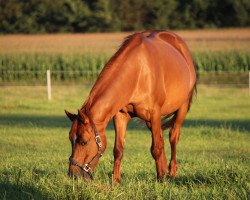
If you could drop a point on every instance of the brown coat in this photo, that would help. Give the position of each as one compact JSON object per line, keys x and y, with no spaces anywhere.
{"x":152,"y":75}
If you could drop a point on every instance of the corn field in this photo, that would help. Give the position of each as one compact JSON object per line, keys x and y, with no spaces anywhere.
{"x":28,"y":67}
{"x":80,"y":57}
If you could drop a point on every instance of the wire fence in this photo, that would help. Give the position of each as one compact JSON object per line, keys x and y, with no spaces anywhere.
{"x":76,"y":77}
{"x":31,"y":77}
{"x":39,"y":77}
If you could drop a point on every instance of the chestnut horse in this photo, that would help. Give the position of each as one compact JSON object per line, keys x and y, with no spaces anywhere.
{"x":151,"y":76}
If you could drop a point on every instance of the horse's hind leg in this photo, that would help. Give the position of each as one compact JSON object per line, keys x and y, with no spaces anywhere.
{"x":157,"y":148}
{"x":120,"y":123}
{"x":174,"y":135}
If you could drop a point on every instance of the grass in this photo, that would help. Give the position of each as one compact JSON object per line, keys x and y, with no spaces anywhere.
{"x":213,"y":152}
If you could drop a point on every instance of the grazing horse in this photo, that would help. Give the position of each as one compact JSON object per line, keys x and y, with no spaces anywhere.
{"x":151,"y":76}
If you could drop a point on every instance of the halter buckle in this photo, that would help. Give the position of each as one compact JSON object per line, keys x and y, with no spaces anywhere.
{"x":98,"y":141}
{"x":86,"y":168}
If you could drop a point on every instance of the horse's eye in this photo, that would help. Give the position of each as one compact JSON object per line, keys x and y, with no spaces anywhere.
{"x":83,"y":143}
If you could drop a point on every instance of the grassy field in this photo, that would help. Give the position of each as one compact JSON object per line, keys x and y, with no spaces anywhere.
{"x":213,"y":152}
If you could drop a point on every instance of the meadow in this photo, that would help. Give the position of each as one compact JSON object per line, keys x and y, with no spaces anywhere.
{"x":213,"y":152}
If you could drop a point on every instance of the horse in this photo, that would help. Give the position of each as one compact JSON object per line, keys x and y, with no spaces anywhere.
{"x":152,"y":76}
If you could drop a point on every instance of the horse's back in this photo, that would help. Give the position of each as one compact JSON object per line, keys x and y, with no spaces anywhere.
{"x":172,"y":42}
{"x":172,"y":75}
{"x":177,"y":42}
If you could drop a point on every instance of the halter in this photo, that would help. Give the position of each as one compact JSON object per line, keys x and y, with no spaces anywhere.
{"x":87,"y":167}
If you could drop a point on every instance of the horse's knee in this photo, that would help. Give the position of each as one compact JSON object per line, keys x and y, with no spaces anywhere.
{"x":157,"y":150}
{"x":118,"y":152}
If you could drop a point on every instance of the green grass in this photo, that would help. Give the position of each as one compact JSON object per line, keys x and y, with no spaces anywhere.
{"x":213,"y":151}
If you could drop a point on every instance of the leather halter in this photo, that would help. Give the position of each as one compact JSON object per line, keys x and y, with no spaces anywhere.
{"x":87,"y":167}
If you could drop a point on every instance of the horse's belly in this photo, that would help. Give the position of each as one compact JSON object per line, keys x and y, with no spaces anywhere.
{"x":176,"y":95}
{"x":177,"y":86}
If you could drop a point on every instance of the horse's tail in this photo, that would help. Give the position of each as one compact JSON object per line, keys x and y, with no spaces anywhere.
{"x":169,"y":120}
{"x":192,"y":93}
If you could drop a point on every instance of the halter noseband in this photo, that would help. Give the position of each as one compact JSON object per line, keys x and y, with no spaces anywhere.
{"x":87,"y":167}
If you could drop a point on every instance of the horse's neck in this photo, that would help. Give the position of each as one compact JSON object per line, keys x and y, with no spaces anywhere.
{"x":103,"y":105}
{"x":110,"y":96}
{"x":111,"y":91}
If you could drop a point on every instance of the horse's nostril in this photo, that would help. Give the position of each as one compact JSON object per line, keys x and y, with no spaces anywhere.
{"x":73,"y":175}
{"x":76,"y":174}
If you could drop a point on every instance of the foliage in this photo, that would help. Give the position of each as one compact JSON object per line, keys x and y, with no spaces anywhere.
{"x":222,"y":61}
{"x":40,"y":16}
{"x":32,"y":67}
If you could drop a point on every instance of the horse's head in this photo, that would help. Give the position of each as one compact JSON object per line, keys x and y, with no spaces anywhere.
{"x":86,"y":146}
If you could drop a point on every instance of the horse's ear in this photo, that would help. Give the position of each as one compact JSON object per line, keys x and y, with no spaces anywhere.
{"x":83,"y":117}
{"x":70,"y":115}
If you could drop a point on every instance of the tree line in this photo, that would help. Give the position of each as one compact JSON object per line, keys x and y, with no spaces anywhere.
{"x":49,"y":16}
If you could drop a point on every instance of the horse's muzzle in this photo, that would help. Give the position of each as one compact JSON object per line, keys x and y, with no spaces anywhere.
{"x":76,"y":172}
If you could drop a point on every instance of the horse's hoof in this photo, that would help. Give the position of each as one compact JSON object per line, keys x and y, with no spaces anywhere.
{"x":173,"y":167}
{"x":116,"y":182}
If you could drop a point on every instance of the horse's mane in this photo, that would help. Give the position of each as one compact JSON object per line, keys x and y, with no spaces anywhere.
{"x":128,"y":43}
{"x":135,"y":37}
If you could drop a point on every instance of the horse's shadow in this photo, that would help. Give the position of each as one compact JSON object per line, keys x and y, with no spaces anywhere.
{"x":180,"y":180}
{"x":51,"y":121}
{"x":196,"y":179}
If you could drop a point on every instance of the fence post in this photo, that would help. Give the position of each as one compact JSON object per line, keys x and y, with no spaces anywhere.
{"x":49,"y":84}
{"x":248,"y":82}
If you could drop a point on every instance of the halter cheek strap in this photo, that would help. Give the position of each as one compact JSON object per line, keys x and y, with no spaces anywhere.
{"x":87,"y":167}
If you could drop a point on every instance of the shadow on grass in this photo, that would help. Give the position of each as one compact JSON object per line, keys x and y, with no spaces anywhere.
{"x":44,"y":121}
{"x":14,"y":185}
{"x":210,"y":178}
{"x":196,"y":179}
{"x":17,"y":191}
{"x":192,"y":180}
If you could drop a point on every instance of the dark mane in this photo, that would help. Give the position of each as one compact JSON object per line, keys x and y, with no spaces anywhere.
{"x":128,"y":43}
{"x":134,"y":38}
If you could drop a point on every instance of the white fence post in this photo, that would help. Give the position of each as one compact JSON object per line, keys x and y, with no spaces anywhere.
{"x":49,"y":84}
{"x":249,"y":82}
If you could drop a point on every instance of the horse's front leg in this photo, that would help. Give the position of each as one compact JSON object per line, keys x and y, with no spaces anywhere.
{"x":120,"y":123}
{"x":157,"y":148}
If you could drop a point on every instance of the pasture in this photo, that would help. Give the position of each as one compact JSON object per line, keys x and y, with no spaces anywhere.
{"x":213,"y":152}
